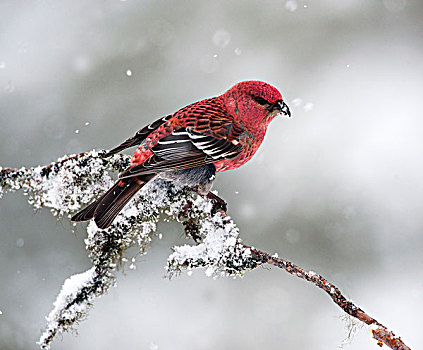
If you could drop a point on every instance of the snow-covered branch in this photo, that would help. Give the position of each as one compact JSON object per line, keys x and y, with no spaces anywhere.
{"x":72,"y":182}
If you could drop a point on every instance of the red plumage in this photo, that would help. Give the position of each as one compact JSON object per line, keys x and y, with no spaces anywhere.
{"x":189,"y":146}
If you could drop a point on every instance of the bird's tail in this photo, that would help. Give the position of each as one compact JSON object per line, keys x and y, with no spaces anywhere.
{"x":109,"y":205}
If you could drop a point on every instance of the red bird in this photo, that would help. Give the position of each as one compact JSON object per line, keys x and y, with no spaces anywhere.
{"x":191,"y":145}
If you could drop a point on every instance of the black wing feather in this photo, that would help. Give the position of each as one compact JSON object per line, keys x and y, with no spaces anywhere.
{"x":183,"y":149}
{"x":139,"y":137}
{"x":214,"y":147}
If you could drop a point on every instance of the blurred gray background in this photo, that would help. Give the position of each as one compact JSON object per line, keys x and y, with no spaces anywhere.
{"x":336,"y":189}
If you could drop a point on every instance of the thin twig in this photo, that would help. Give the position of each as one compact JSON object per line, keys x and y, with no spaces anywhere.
{"x":379,"y":332}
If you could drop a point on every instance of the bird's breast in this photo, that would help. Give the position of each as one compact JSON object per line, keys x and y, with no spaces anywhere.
{"x":250,"y":146}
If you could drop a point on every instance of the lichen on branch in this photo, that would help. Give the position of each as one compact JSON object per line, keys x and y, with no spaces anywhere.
{"x":74,"y":181}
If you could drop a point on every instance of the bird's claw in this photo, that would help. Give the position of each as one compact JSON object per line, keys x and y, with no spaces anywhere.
{"x":218,"y":203}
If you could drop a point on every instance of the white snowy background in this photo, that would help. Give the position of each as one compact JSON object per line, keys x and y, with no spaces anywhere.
{"x":336,"y":189}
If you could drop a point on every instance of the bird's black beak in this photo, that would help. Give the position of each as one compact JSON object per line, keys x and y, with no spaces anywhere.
{"x":283,"y":107}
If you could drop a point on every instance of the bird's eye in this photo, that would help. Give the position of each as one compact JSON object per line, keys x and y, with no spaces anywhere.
{"x":261,"y":100}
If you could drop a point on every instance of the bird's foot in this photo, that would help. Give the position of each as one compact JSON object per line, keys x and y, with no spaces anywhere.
{"x":218,"y":203}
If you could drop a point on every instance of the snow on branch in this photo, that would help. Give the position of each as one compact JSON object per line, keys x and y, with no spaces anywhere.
{"x":72,"y":182}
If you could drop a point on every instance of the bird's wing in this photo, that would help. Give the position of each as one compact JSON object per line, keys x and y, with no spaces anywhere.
{"x":186,"y":148}
{"x":139,"y":136}
{"x":206,"y":116}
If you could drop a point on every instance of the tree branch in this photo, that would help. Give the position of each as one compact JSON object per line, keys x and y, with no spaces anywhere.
{"x":71,"y":182}
{"x":379,"y":331}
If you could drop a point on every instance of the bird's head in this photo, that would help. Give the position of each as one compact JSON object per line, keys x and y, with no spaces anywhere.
{"x":255,"y":103}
